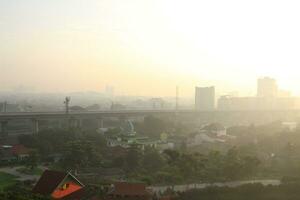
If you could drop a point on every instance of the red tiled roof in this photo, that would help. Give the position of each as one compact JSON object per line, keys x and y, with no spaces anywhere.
{"x":19,"y":149}
{"x":48,"y":182}
{"x":130,"y":189}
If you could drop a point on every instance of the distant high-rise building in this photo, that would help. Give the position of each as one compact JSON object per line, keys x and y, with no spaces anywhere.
{"x":109,"y":91}
{"x":205,"y":98}
{"x":267,"y":87}
{"x":284,"y":93}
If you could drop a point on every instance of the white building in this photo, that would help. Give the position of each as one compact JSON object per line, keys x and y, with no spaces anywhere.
{"x":267,"y":87}
{"x":205,"y":98}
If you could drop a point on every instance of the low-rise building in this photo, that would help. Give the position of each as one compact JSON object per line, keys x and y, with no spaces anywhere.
{"x":211,"y":133}
{"x":14,"y":152}
{"x":20,"y":151}
{"x":129,"y":191}
{"x":126,"y":141}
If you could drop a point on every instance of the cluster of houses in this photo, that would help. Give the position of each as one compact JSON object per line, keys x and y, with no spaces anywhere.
{"x":17,"y":152}
{"x":211,"y":133}
{"x":128,"y":140}
{"x":65,"y":186}
{"x":128,"y":137}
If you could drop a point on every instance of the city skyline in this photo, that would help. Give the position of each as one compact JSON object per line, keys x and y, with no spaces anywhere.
{"x":111,"y":90}
{"x":149,"y":99}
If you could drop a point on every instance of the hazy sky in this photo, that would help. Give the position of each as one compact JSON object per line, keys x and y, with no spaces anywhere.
{"x":147,"y":47}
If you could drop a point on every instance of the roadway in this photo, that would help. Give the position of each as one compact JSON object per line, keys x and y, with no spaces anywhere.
{"x":62,"y":114}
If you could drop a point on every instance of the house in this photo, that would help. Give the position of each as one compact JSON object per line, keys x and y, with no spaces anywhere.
{"x":201,"y":137}
{"x":20,"y":151}
{"x":129,"y":191}
{"x":127,"y":141}
{"x":14,"y":152}
{"x":161,"y":146}
{"x":215,"y":130}
{"x":59,"y":185}
{"x":291,"y":126}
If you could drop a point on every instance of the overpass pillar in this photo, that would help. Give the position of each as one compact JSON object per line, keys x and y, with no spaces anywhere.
{"x":60,"y":123}
{"x":100,"y":122}
{"x":71,"y":123}
{"x":79,"y":123}
{"x":75,"y":123}
{"x":3,"y":129}
{"x":36,"y":127}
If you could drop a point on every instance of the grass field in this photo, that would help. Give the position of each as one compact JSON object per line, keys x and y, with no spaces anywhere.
{"x":34,"y":171}
{"x":6,"y":180}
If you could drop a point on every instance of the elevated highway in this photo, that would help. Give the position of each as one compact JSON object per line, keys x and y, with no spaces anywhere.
{"x":75,"y":118}
{"x":90,"y":114}
{"x":116,"y":113}
{"x":232,"y":117}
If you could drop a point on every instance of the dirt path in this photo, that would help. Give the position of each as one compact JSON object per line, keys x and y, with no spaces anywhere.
{"x":21,"y":176}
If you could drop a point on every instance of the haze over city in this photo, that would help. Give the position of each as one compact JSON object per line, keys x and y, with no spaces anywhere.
{"x":149,"y":100}
{"x":76,"y":45}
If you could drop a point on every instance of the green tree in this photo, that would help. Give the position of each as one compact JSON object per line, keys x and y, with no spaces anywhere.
{"x":133,"y":159}
{"x":250,"y":165}
{"x":81,"y":153}
{"x":19,"y":191}
{"x":153,"y":126}
{"x":152,"y":160}
{"x":214,"y":166}
{"x":232,"y":164}
{"x":32,"y":160}
{"x":172,"y":156}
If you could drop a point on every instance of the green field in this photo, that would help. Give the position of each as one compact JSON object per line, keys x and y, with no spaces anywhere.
{"x":34,"y":171}
{"x":6,"y":180}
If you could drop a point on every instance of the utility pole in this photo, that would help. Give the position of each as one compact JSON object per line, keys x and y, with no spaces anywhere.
{"x":176,"y":109}
{"x":177,"y":98}
{"x":4,"y":106}
{"x":67,"y":102}
{"x":112,"y":107}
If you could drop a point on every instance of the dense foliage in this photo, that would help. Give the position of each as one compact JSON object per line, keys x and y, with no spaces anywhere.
{"x":266,"y":151}
{"x":73,"y":148}
{"x":245,"y":192}
{"x":277,"y":148}
{"x":173,"y":167}
{"x":20,"y":191}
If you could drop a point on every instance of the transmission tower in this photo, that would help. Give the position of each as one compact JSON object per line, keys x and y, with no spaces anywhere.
{"x":67,"y":102}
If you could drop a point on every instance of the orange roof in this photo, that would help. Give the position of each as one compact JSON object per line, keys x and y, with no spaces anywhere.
{"x":70,"y":188}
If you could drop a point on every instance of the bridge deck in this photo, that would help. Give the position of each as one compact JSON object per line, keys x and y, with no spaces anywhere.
{"x":61,"y":114}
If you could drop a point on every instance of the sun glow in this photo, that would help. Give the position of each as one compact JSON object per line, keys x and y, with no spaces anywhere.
{"x":225,"y":43}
